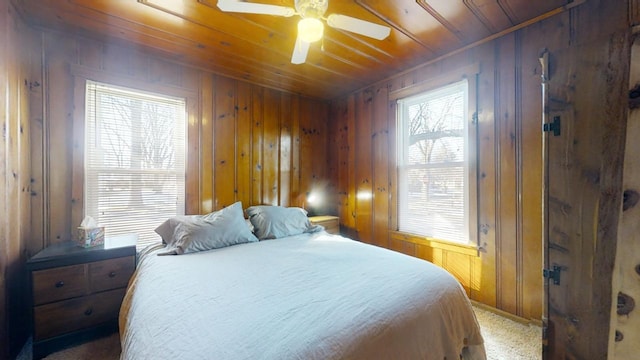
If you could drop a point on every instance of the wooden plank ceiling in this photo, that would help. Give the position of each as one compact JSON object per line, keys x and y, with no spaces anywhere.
{"x":257,"y":48}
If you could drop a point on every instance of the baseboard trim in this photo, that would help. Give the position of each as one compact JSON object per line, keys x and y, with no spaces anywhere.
{"x":508,"y":315}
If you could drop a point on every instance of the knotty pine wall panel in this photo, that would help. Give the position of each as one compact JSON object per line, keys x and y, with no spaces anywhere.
{"x":224,"y":142}
{"x":257,"y":143}
{"x":244,"y":123}
{"x":245,"y":142}
{"x":271,"y":147}
{"x":380,"y":160}
{"x":507,"y":172}
{"x":364,"y":172}
{"x":504,"y":269}
{"x":313,"y":139}
{"x":20,"y":79}
{"x":285,"y":159}
{"x":530,"y":216}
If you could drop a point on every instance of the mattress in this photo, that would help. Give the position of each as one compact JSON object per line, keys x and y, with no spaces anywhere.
{"x":310,"y":296}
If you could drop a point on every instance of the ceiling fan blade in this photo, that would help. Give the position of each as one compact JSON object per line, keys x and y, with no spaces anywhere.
{"x":254,"y":8}
{"x":358,"y":26}
{"x":300,"y":51}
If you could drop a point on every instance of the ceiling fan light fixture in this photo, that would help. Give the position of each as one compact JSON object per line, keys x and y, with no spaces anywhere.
{"x":310,"y":30}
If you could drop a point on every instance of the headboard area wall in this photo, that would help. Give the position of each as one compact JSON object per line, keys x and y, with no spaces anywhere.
{"x":245,"y":142}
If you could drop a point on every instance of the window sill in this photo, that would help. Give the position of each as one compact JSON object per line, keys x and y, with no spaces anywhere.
{"x":467,"y":249}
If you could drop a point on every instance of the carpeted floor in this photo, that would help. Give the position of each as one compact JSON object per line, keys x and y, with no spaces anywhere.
{"x":504,"y":338}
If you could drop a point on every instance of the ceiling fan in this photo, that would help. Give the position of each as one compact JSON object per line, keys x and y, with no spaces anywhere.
{"x":310,"y":28}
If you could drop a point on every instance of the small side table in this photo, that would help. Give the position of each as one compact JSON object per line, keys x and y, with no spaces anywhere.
{"x":76,"y":292}
{"x":330,"y":223}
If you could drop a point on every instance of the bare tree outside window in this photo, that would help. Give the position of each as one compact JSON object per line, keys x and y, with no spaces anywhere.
{"x":433,"y":163}
{"x":134,"y":177}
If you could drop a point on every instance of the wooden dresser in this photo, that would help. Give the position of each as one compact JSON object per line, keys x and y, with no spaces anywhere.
{"x":330,"y":223}
{"x":77,"y":292}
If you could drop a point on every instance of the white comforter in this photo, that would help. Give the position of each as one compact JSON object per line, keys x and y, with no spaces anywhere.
{"x":312,"y":296}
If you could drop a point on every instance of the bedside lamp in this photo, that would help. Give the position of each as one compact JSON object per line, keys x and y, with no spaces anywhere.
{"x":314,"y":202}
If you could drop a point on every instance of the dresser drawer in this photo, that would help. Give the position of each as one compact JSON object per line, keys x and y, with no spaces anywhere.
{"x":75,"y":314}
{"x":59,"y":283}
{"x":111,"y":274}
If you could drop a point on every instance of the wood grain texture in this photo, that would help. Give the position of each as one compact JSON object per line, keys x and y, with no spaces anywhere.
{"x":111,"y":274}
{"x":257,"y":48}
{"x":585,"y":176}
{"x":506,"y":190}
{"x":530,"y":152}
{"x":380,"y":160}
{"x":494,"y":273}
{"x":206,"y":134}
{"x":243,"y":143}
{"x":17,"y":83}
{"x":487,"y":182}
{"x":224,"y":140}
{"x":364,"y":172}
{"x":586,"y":158}
{"x":271,"y":147}
{"x":78,"y":313}
{"x":243,"y":140}
{"x":628,"y":249}
{"x":60,"y":283}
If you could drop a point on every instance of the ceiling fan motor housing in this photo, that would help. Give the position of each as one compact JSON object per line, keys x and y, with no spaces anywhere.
{"x":314,"y":9}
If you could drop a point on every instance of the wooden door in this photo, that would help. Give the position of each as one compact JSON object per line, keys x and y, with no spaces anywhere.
{"x":587,"y":94}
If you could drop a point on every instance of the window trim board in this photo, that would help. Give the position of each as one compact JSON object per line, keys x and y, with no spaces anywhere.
{"x":471,"y":73}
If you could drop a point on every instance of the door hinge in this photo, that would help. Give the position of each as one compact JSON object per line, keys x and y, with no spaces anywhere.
{"x":553,"y":126}
{"x":553,"y":274}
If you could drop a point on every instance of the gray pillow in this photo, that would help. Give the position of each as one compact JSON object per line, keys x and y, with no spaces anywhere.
{"x":167,"y":228}
{"x":222,"y":228}
{"x":273,"y":222}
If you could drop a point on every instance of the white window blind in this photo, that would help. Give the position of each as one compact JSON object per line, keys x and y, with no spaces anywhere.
{"x":134,"y":175}
{"x":433,"y":180}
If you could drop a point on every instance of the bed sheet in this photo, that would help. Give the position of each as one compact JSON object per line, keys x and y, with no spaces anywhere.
{"x":311,"y":296}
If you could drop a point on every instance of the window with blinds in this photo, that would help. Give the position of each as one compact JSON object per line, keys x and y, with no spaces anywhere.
{"x":433,"y":191}
{"x":134,"y":173}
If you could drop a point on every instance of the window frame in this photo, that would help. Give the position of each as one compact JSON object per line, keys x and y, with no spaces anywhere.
{"x":80,"y":77}
{"x":470,"y":74}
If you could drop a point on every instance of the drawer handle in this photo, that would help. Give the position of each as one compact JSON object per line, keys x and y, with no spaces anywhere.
{"x":88,"y":312}
{"x":112,"y":274}
{"x":60,"y":284}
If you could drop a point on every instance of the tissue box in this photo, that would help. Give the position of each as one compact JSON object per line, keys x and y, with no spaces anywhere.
{"x":88,"y":237}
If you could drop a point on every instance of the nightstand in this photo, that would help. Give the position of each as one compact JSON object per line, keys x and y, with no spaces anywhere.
{"x":76,"y":292}
{"x":330,"y":223}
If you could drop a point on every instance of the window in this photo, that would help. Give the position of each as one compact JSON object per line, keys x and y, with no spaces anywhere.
{"x":134,"y":174}
{"x":433,"y":165}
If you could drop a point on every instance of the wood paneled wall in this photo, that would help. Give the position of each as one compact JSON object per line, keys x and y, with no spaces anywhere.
{"x":245,"y":142}
{"x":586,"y":66}
{"x":19,"y":71}
{"x":506,"y":274}
{"x":260,"y":145}
{"x":626,"y":280}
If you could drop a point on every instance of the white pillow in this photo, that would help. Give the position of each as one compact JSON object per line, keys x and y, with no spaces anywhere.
{"x":219,"y":229}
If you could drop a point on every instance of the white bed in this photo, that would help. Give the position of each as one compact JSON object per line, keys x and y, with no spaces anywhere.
{"x":309,"y":296}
